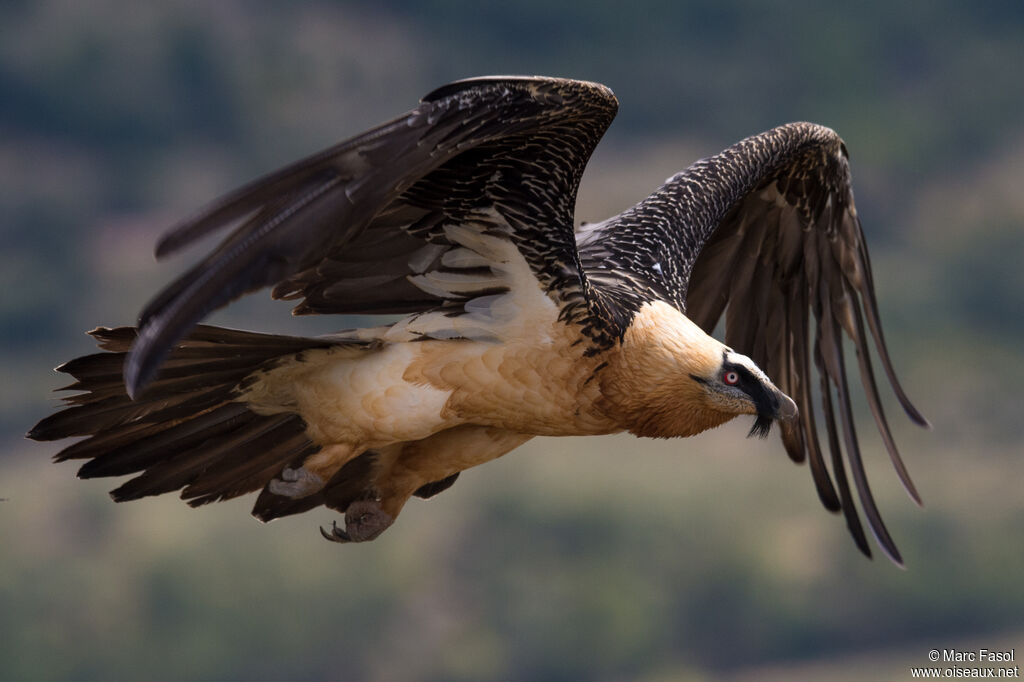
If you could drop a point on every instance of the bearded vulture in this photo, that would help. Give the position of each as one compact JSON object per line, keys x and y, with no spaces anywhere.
{"x":458,"y":216}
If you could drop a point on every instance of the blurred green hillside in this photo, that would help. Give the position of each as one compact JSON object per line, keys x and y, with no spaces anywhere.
{"x":601,"y":558}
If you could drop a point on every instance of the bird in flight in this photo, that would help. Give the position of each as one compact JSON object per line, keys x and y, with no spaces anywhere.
{"x":459,"y":217}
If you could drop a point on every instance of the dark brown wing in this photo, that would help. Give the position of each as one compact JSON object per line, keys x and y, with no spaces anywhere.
{"x":767,"y":233}
{"x":367,"y":226}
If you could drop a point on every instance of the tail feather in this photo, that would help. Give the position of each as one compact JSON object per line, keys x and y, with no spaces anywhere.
{"x":241,"y":472}
{"x":109,"y":441}
{"x":113,"y":411}
{"x":165,"y":444}
{"x":187,"y":430}
{"x":186,"y":467}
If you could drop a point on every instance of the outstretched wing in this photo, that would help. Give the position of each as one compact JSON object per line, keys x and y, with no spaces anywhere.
{"x":410,"y":216}
{"x":767,"y":232}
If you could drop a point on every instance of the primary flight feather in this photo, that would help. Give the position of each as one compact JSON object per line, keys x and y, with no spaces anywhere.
{"x":459,"y":215}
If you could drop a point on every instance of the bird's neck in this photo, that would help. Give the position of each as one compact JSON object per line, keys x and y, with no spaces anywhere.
{"x":648,"y":383}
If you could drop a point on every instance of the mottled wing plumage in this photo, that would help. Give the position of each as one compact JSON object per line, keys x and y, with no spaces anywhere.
{"x":388,"y":222}
{"x":767,"y":233}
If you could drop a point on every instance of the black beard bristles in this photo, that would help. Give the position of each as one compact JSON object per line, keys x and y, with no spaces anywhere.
{"x":762,"y":425}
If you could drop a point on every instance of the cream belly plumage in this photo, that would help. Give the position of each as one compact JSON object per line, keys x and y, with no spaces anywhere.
{"x":427,"y":410}
{"x":408,"y":391}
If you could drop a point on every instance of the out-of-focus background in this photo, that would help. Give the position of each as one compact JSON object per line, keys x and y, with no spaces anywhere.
{"x":601,"y":558}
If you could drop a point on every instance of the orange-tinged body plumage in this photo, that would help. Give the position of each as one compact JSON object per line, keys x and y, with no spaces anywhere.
{"x":405,"y":467}
{"x":434,"y":408}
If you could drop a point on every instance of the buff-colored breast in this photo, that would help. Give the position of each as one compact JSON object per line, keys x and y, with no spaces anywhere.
{"x":409,"y":391}
{"x":541,"y":389}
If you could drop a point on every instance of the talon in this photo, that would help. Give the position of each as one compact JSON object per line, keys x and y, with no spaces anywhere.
{"x":365,"y":520}
{"x":336,"y":534}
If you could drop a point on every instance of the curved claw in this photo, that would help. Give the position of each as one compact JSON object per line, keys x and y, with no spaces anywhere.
{"x":364,"y":520}
{"x":336,"y":534}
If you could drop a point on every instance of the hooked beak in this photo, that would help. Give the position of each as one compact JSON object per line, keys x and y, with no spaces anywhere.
{"x":779,"y":407}
{"x":787,"y":410}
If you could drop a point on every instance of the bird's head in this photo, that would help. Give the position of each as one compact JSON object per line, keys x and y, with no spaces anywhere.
{"x":672,"y":379}
{"x":738,"y":386}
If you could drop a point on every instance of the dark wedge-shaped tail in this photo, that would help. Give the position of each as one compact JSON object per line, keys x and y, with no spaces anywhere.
{"x":185,"y":431}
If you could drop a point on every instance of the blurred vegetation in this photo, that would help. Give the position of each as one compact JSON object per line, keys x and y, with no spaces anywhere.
{"x":574,"y":559}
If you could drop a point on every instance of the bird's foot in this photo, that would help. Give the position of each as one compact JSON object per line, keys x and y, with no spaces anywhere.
{"x":296,"y":483}
{"x":364,"y":520}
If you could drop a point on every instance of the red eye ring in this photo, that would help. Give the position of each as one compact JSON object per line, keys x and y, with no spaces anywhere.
{"x":731,"y":378}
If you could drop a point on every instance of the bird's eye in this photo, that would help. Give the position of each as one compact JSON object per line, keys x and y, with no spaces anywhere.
{"x":731,"y":378}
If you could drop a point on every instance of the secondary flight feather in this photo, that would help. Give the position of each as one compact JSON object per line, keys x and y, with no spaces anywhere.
{"x":459,"y":216}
